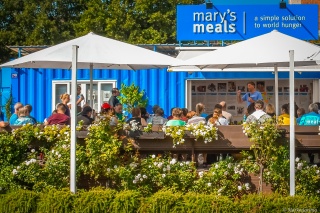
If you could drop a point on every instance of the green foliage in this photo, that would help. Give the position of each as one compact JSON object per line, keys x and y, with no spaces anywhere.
{"x":19,"y":201}
{"x":8,"y":106}
{"x":95,"y":200}
{"x":126,"y":201}
{"x":161,"y":202}
{"x":102,"y":150}
{"x":56,"y":201}
{"x":131,"y":97}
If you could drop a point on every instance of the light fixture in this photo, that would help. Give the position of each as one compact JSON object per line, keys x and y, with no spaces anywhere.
{"x":209,"y":4}
{"x":283,"y":4}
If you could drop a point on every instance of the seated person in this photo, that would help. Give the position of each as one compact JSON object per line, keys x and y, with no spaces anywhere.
{"x":258,"y":115}
{"x":23,"y":118}
{"x":217,"y":119}
{"x":85,"y":116}
{"x":312,"y":118}
{"x":58,"y":117}
{"x":284,"y":118}
{"x":158,"y":119}
{"x":176,"y":118}
{"x":15,"y":116}
{"x":108,"y":112}
{"x":197,"y":118}
{"x":136,"y":117}
{"x":29,"y":107}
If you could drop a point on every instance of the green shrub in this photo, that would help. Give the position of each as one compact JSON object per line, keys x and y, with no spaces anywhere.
{"x":96,"y":200}
{"x":56,"y":201}
{"x":19,"y":201}
{"x":126,"y":201}
{"x":161,"y":202}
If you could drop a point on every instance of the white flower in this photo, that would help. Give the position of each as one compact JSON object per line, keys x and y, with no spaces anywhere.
{"x":168,"y":167}
{"x":201,"y":174}
{"x":141,"y":179}
{"x":209,"y":184}
{"x":159,"y":165}
{"x":181,"y":164}
{"x":144,"y":176}
{"x":164,"y":169}
{"x":33,"y":160}
{"x":216,"y":166}
{"x":297,"y":159}
{"x":32,"y":150}
{"x":14,"y":172}
{"x":173,"y":161}
{"x":153,"y":156}
{"x":317,"y":172}
{"x":239,"y":188}
{"x":213,"y":173}
{"x":108,"y":170}
{"x":187,"y":162}
{"x":59,"y":156}
{"x":138,"y":176}
{"x":52,"y":151}
{"x":229,"y":165}
{"x":299,"y":166}
{"x":318,"y":191}
{"x":115,"y":166}
{"x":163,"y":175}
{"x":226,"y":173}
{"x":18,"y":167}
{"x":220,"y":190}
{"x":134,"y":181}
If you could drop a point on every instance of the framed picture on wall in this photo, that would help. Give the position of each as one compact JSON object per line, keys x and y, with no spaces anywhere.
{"x":222,"y":87}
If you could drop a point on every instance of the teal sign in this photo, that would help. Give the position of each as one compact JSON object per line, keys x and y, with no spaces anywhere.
{"x":195,"y":22}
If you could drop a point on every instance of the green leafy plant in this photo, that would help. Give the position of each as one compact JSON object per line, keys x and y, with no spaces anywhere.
{"x":131,"y":97}
{"x":264,"y":137}
{"x":8,"y":106}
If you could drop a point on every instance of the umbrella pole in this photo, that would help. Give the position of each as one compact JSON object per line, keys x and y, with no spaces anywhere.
{"x":73,"y":187}
{"x":292,"y":127}
{"x":91,"y":85}
{"x":276,"y":89}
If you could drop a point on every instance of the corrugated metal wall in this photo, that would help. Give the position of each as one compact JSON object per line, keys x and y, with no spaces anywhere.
{"x":167,"y":89}
{"x":34,"y":86}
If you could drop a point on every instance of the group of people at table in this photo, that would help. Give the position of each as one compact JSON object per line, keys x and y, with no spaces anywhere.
{"x":256,"y":111}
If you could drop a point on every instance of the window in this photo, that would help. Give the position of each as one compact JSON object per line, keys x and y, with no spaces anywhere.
{"x":101,"y":92}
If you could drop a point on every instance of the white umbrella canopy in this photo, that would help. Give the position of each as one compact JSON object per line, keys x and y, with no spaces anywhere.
{"x":273,"y":49}
{"x":99,"y":51}
{"x":262,"y":51}
{"x":90,"y":51}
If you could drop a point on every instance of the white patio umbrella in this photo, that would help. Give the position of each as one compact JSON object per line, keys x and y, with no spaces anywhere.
{"x":91,"y":51}
{"x":273,"y":49}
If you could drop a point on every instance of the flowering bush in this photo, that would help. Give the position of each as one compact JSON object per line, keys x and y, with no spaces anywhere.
{"x":203,"y":131}
{"x":176,"y":133}
{"x":223,"y":178}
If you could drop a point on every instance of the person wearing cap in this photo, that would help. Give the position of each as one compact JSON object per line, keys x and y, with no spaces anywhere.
{"x":114,"y":100}
{"x":108,"y":112}
{"x":85,"y":116}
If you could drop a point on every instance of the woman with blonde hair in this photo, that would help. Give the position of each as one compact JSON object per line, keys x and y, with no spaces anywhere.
{"x":270,"y":110}
{"x":197,"y":117}
{"x":176,"y":118}
{"x":65,"y":98}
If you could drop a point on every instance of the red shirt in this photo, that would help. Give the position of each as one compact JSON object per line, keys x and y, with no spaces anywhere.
{"x":59,"y":119}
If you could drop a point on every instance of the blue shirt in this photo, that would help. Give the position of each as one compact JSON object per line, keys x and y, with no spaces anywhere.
{"x":256,"y":95}
{"x":13,"y":118}
{"x":310,"y":119}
